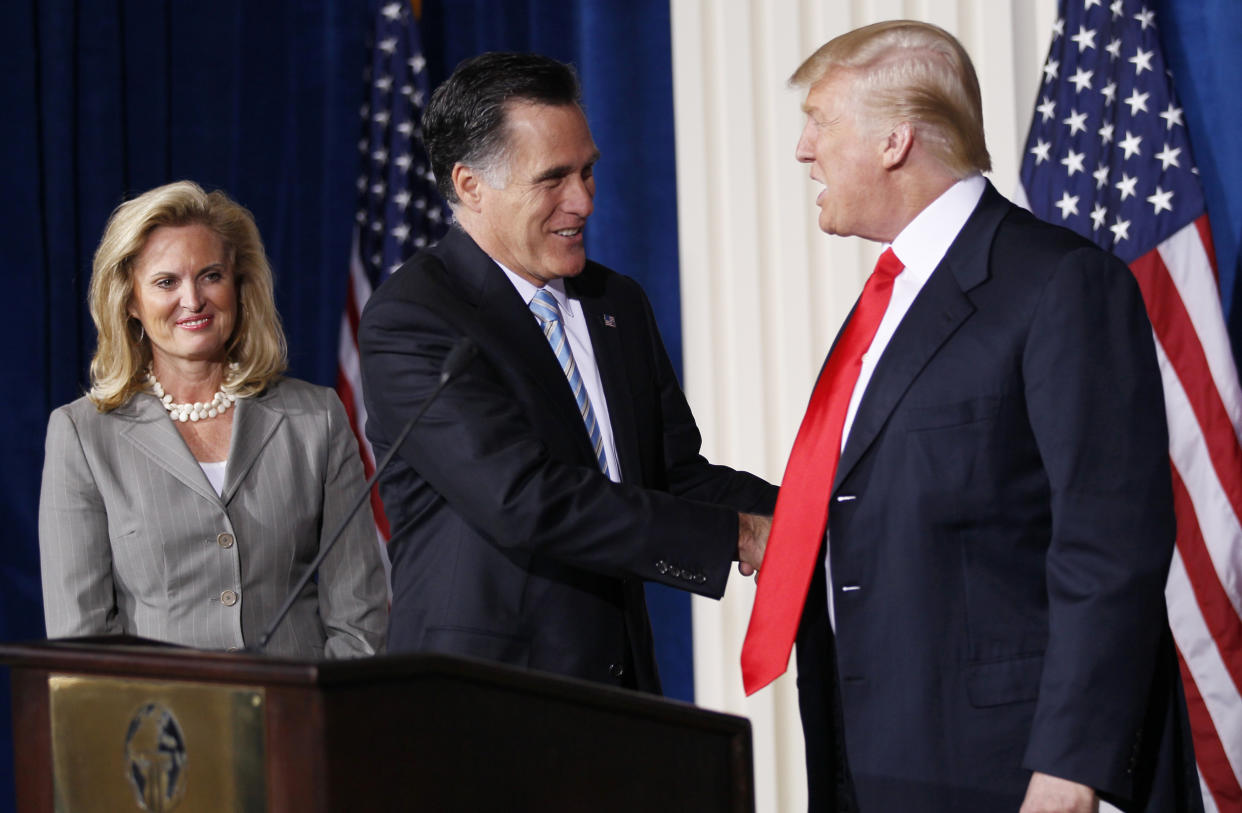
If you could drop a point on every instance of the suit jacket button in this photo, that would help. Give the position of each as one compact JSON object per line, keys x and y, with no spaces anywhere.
{"x":662,"y":566}
{"x":228,"y":598}
{"x":225,"y":540}
{"x":616,"y":670}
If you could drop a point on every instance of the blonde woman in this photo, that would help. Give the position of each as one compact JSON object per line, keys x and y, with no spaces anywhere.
{"x":188,"y":490}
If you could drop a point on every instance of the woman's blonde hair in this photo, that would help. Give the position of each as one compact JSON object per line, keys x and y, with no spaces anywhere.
{"x":912,"y":71}
{"x":122,"y":352}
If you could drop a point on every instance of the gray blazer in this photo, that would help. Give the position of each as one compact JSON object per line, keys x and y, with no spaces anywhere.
{"x":133,"y":538}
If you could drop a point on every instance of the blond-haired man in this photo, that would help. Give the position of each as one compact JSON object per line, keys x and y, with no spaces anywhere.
{"x":978,"y":509}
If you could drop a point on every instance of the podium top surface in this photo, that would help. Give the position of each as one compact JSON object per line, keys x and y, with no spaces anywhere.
{"x":126,"y":656}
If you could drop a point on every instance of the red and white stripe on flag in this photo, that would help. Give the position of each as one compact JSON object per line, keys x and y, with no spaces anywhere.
{"x":399,"y":210}
{"x":1109,"y":157}
{"x":1204,"y":406}
{"x":349,"y":379}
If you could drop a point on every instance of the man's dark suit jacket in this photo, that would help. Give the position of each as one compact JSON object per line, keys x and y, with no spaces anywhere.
{"x":508,"y":543}
{"x":1000,"y":529}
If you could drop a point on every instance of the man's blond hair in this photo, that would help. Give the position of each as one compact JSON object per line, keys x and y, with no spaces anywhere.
{"x":908,"y":71}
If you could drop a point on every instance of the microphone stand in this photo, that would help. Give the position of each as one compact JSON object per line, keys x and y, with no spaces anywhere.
{"x":458,"y":359}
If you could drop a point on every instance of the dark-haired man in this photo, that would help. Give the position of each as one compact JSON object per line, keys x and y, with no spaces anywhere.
{"x":562,"y":468}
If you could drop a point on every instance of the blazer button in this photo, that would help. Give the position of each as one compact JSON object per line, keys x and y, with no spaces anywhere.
{"x":616,"y":670}
{"x":228,"y":598}
{"x":662,"y":566}
{"x":225,"y":540}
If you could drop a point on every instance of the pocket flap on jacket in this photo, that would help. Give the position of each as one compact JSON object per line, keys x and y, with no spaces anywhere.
{"x":1000,"y":682}
{"x":943,"y":416}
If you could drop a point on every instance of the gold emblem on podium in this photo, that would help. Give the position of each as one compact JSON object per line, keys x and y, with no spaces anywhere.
{"x":140,"y":745}
{"x":155,"y":758}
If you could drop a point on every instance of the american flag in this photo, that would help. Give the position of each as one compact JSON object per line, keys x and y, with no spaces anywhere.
{"x":1109,"y":157}
{"x":399,"y":210}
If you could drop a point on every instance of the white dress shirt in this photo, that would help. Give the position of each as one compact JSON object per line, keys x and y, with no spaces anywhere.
{"x":215,"y":473}
{"x":574,"y":322}
{"x":920,"y":247}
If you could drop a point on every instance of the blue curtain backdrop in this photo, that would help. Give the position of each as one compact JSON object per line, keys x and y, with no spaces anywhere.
{"x":260,"y":97}
{"x":1200,"y":41}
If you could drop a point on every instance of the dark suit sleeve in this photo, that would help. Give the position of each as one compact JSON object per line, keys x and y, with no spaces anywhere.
{"x":1096,"y":407}
{"x":688,"y":472}
{"x":479,"y":450}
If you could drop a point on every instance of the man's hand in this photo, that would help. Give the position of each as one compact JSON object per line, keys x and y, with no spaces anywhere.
{"x":752,"y":539}
{"x":1051,"y":794}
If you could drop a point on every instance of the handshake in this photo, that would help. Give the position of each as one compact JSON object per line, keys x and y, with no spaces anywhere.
{"x":752,"y":540}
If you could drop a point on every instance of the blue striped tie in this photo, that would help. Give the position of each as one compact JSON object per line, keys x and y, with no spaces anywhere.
{"x":549,"y":315}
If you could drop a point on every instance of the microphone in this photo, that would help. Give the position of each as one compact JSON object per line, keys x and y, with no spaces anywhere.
{"x":458,"y":359}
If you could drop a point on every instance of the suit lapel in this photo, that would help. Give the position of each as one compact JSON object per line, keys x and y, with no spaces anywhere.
{"x":937,"y":312}
{"x":507,"y":326}
{"x":610,"y":361}
{"x":152,"y":433}
{"x":255,"y":422}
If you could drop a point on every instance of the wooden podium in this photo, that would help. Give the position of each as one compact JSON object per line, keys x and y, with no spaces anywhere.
{"x":101,"y":723}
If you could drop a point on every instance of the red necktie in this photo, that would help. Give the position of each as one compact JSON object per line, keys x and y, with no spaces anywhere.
{"x":802,"y":505}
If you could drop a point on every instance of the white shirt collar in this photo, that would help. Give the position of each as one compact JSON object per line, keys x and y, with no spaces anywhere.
{"x":922,"y":244}
{"x":526,"y":289}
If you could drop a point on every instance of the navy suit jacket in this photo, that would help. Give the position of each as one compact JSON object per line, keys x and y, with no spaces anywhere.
{"x":508,"y":543}
{"x":1001,"y":527}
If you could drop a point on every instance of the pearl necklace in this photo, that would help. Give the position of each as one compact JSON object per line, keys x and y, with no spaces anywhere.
{"x":196,"y":411}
